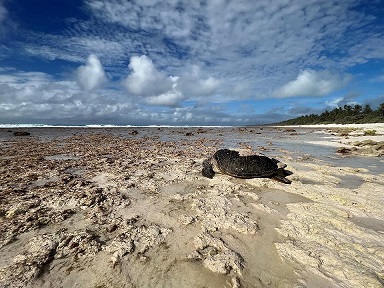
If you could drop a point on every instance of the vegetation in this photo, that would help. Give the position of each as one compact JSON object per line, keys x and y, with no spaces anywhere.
{"x":342,"y":115}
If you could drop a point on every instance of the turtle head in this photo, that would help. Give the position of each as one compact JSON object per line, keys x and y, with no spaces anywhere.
{"x":281,"y":173}
{"x":208,"y":169}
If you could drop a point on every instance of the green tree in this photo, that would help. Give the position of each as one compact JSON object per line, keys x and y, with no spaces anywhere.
{"x":344,"y":115}
{"x":347,"y":109}
{"x":367,"y":109}
{"x":382,"y":109}
{"x":357,"y":109}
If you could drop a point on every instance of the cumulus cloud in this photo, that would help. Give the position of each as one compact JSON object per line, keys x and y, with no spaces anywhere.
{"x":145,"y":79}
{"x":91,"y":75}
{"x":171,"y":98}
{"x":36,"y":97}
{"x":157,"y":88}
{"x":30,"y":97}
{"x":313,"y":83}
{"x":194,"y":83}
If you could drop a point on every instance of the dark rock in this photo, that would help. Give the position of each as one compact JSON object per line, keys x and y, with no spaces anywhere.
{"x":344,"y":150}
{"x":134,"y":132}
{"x":290,"y":130}
{"x":189,"y":134}
{"x":21,"y":133}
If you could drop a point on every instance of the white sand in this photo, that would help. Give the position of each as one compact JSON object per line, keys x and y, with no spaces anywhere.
{"x":356,"y":135}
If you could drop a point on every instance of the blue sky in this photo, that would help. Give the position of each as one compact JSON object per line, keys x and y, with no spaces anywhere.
{"x":216,"y":62}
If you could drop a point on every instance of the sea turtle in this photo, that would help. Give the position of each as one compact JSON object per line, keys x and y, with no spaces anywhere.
{"x":254,"y":166}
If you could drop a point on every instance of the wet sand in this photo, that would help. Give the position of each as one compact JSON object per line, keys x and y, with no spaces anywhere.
{"x":111,"y":208}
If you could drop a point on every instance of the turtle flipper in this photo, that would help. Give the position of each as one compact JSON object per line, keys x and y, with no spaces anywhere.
{"x":207,"y":169}
{"x":281,"y":179}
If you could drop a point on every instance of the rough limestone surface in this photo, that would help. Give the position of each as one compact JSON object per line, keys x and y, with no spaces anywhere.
{"x":339,"y":235}
{"x":28,"y":265}
{"x":216,"y":213}
{"x":106,"y":208}
{"x":216,"y":255}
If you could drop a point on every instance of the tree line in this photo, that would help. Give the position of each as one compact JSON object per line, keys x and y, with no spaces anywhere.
{"x":347,"y":114}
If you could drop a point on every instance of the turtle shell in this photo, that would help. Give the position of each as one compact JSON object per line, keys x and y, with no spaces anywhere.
{"x":253,"y":166}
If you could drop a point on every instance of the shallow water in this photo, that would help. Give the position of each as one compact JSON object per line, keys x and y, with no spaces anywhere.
{"x":62,"y":157}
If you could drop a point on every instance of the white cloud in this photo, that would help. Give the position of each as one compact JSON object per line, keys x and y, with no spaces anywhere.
{"x":170,"y":98}
{"x":248,"y":46}
{"x":91,"y":75}
{"x":347,"y":99}
{"x":157,"y":88}
{"x":313,"y":83}
{"x":78,"y":47}
{"x":334,"y":103}
{"x":35,"y":96}
{"x":365,"y":50}
{"x":283,"y":29}
{"x":194,"y":83}
{"x":221,"y":51}
{"x":144,"y":15}
{"x":379,"y":78}
{"x":145,"y":79}
{"x":51,"y":52}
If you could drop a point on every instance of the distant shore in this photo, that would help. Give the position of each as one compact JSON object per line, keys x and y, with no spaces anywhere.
{"x":354,"y":133}
{"x":359,"y":126}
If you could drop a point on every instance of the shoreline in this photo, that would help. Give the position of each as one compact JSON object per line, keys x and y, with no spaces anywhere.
{"x":349,"y":136}
{"x":379,"y":127}
{"x":363,"y":125}
{"x":26,"y":125}
{"x":94,"y":209}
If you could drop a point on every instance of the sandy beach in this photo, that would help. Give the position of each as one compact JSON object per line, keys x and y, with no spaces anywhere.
{"x":129,"y":207}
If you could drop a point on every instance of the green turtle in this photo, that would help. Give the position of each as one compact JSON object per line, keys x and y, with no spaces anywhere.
{"x":254,"y":166}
